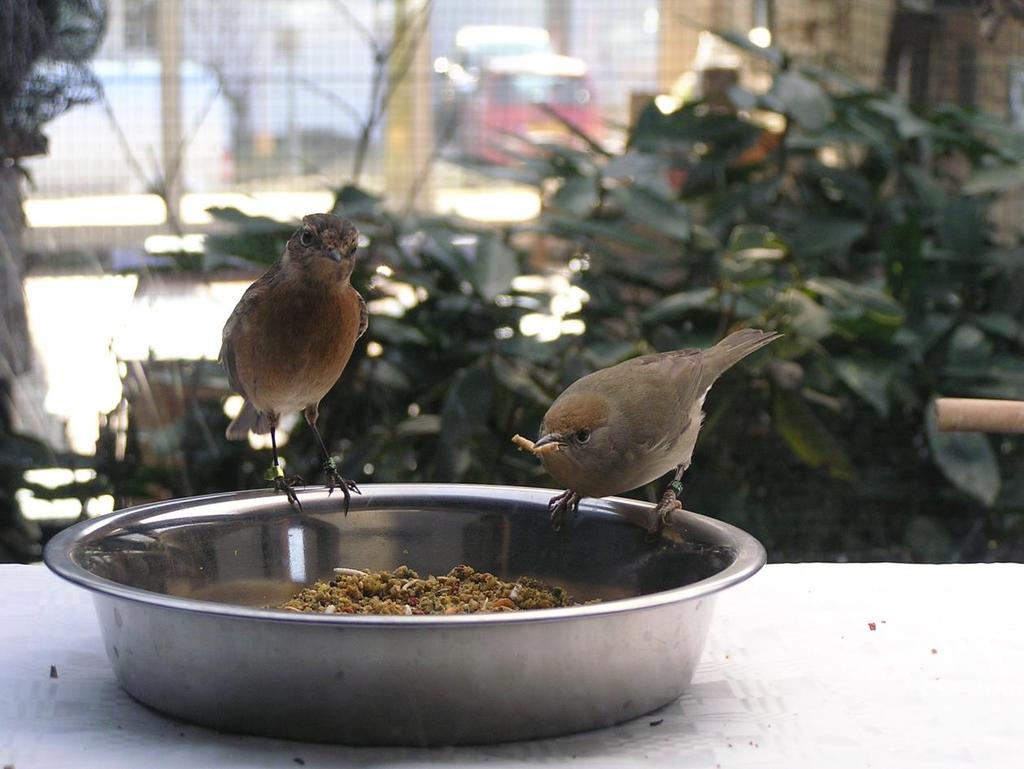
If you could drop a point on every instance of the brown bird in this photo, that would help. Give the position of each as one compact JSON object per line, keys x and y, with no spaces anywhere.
{"x":627,"y":425}
{"x":291,"y":335}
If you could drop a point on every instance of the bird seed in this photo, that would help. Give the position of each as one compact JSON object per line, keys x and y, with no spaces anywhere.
{"x":463,"y":590}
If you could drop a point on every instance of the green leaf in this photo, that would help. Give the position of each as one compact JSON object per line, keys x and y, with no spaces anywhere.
{"x":632,"y":165}
{"x":577,"y":229}
{"x":440,"y":248}
{"x":962,"y":227}
{"x":23,"y":452}
{"x":1004,"y":135}
{"x":676,"y":306}
{"x":515,"y":376}
{"x":825,"y":235}
{"x":1000,"y":324}
{"x":386,"y":374}
{"x":969,"y":347}
{"x":908,"y":125}
{"x":574,"y":129}
{"x":926,"y":186}
{"x":918,"y":340}
{"x":424,"y":424}
{"x":650,"y":209}
{"x":868,"y":378}
{"x":1001,"y":179}
{"x":577,"y":196}
{"x":357,"y":203}
{"x":465,"y":412}
{"x":494,"y":267}
{"x":852,"y":188}
{"x":966,"y":459}
{"x":703,"y":239}
{"x":803,"y":99}
{"x":807,"y":437}
{"x":928,"y":542}
{"x":834,"y":78}
{"x":743,"y":99}
{"x":749,"y":257}
{"x":388,"y":330}
{"x":607,"y":353}
{"x":249,"y":223}
{"x":755,"y":242}
{"x":803,"y":316}
{"x":727,"y":133}
{"x":859,"y":299}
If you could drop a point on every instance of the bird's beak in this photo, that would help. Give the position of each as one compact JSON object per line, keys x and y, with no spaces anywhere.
{"x":547,"y":440}
{"x":335,"y":255}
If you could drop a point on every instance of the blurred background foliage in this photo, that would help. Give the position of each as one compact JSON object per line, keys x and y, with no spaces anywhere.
{"x":822,"y":209}
{"x":44,"y":50}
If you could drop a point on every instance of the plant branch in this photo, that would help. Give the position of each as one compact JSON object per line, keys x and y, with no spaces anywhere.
{"x":420,"y":24}
{"x":381,"y":95}
{"x":361,"y":28}
{"x":332,"y":97}
{"x":162,"y":180}
{"x":574,"y":129}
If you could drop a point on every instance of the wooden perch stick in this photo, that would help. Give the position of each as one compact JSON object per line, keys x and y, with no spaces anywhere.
{"x":980,"y":415}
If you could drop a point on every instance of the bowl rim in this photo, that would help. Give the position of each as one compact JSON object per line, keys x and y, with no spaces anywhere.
{"x":750,"y":557}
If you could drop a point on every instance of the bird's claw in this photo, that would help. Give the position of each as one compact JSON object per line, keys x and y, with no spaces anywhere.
{"x":660,"y":514}
{"x":287,"y":485}
{"x":561,"y":504}
{"x":334,"y":480}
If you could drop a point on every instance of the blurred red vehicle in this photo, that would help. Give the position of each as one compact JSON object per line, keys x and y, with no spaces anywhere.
{"x":512,"y":103}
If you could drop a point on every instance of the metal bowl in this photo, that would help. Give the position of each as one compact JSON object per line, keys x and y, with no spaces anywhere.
{"x":181,"y":590}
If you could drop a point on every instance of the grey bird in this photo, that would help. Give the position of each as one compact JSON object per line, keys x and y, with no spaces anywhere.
{"x":627,"y":425}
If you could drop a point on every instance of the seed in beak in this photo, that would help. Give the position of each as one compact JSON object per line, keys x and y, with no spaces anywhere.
{"x":549,"y":442}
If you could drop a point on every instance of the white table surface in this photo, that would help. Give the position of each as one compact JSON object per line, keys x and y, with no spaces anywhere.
{"x":792,"y":676}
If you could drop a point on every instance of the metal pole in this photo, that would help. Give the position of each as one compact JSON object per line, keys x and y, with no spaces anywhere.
{"x":409,"y":137}
{"x":170,"y":41}
{"x":558,"y":20}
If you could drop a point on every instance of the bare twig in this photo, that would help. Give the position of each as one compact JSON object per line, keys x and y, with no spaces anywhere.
{"x":420,"y":23}
{"x":171,"y":175}
{"x":122,"y":139}
{"x":419,"y":20}
{"x":331,"y":97}
{"x":163,"y":180}
{"x":381,"y":94}
{"x":361,"y":28}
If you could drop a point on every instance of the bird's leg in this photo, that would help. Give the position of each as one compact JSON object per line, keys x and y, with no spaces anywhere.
{"x":669,"y":502}
{"x":560,"y":504}
{"x":330,"y":469}
{"x":276,"y":475}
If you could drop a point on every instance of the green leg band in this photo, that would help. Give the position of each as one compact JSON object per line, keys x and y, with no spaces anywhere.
{"x":273,"y":473}
{"x":676,"y":487}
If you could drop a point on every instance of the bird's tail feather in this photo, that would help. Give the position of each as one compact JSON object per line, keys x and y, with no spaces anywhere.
{"x":248,"y":419}
{"x":734,"y":348}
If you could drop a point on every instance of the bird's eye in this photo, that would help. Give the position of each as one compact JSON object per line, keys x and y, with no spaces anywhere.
{"x":306,"y":238}
{"x":582,"y":436}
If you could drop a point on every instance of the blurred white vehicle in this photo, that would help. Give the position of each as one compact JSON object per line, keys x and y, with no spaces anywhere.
{"x":475,"y":48}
